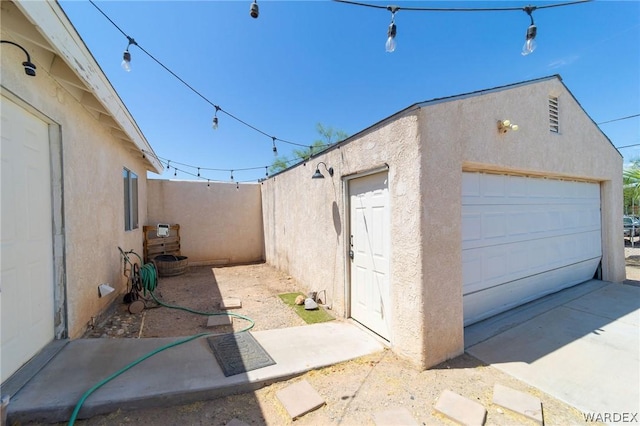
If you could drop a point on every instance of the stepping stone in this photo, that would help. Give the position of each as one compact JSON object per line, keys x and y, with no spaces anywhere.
{"x":217,"y":320}
{"x":231,"y":303}
{"x":461,"y":409}
{"x":394,"y":416}
{"x":300,"y":399}
{"x":520,"y":402}
{"x":236,"y":422}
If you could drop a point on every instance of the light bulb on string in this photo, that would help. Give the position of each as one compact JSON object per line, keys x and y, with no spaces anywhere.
{"x":390,"y":45}
{"x":198,"y":171}
{"x":175,"y":171}
{"x":126,"y":56}
{"x":254,"y":10}
{"x":266,"y":171}
{"x":237,"y":186}
{"x":530,"y":39}
{"x":208,"y":185}
{"x":275,"y":149}
{"x":168,"y":164}
{"x":231,"y":175}
{"x":215,"y":118}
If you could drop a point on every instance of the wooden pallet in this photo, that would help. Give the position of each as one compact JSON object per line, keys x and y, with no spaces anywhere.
{"x":155,"y":246}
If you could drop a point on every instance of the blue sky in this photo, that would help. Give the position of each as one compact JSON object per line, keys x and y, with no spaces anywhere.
{"x":305,"y":62}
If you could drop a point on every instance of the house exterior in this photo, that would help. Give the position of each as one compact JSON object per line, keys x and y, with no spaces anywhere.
{"x":74,"y":184}
{"x":443,"y":214}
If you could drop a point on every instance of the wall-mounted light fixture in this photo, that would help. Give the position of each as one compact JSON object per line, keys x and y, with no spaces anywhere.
{"x":505,"y":125}
{"x":318,"y":175}
{"x":29,"y":67}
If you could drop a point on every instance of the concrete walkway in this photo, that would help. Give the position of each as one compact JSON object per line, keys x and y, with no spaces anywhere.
{"x":182,"y":374}
{"x":581,"y":346}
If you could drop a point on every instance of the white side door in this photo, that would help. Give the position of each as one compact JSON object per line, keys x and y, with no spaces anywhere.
{"x":369,"y":252}
{"x":26,"y":289}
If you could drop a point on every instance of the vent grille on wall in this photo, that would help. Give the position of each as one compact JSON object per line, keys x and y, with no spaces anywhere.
{"x":554,"y":121}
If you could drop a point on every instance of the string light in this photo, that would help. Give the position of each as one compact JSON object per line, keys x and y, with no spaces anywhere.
{"x":390,"y":45}
{"x":175,"y":171}
{"x":126,"y":56}
{"x":530,"y":39}
{"x":237,"y":186}
{"x":215,"y":118}
{"x":254,"y":10}
{"x":198,"y":170}
{"x":208,"y":185}
{"x":275,"y":149}
{"x":530,"y":43}
{"x":218,"y":108}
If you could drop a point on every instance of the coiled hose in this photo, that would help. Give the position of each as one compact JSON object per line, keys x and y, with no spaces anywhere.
{"x":149,"y":279}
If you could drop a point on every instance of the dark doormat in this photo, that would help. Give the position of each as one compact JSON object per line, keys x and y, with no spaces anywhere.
{"x":238,"y":353}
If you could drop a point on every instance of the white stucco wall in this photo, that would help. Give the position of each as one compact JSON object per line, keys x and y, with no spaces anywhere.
{"x":305,"y":222}
{"x":91,"y":189}
{"x":461,"y":135}
{"x":427,"y":150}
{"x":219,"y":224}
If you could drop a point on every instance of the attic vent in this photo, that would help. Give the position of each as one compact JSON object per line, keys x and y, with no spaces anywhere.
{"x":554,"y":121}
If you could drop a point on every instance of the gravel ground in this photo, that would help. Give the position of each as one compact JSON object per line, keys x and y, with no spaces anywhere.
{"x":353,"y":390}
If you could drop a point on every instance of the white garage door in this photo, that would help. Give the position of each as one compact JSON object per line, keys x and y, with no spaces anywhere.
{"x":523,"y":238}
{"x":26,"y":290}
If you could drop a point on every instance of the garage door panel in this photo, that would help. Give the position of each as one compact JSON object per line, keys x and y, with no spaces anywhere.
{"x":492,"y":301}
{"x":490,"y":266}
{"x":535,"y":236}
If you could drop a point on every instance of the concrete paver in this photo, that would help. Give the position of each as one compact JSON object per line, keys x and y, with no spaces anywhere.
{"x":218,"y":320}
{"x":461,"y":409}
{"x":236,"y":422}
{"x":394,"y":417}
{"x":299,"y":399}
{"x":231,"y":303}
{"x":520,"y":402}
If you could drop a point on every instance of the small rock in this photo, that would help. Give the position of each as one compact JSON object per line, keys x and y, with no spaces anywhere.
{"x":120,"y":332}
{"x":300,"y":300}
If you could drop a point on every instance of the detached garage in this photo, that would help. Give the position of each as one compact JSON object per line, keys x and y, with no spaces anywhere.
{"x":443,"y":214}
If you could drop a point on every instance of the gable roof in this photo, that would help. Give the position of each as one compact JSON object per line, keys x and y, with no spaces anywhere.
{"x":68,"y":60}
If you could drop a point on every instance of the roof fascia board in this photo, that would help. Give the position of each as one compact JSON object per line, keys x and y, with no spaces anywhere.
{"x":55,"y":26}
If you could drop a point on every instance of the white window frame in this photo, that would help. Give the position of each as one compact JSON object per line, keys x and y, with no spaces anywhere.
{"x":130,"y":181}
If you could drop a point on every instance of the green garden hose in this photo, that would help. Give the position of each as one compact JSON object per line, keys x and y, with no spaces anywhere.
{"x":149,"y":278}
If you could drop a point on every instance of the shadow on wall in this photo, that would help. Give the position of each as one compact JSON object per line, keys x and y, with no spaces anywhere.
{"x":337,"y":223}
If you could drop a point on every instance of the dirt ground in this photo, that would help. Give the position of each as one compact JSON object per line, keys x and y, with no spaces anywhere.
{"x":352,"y":390}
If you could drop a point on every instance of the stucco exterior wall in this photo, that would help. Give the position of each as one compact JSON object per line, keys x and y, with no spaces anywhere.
{"x":219,"y":224}
{"x":461,"y":135}
{"x":427,"y":149}
{"x":91,"y":189}
{"x":306,"y":224}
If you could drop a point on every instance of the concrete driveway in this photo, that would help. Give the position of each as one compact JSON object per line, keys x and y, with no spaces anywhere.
{"x":580,"y":345}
